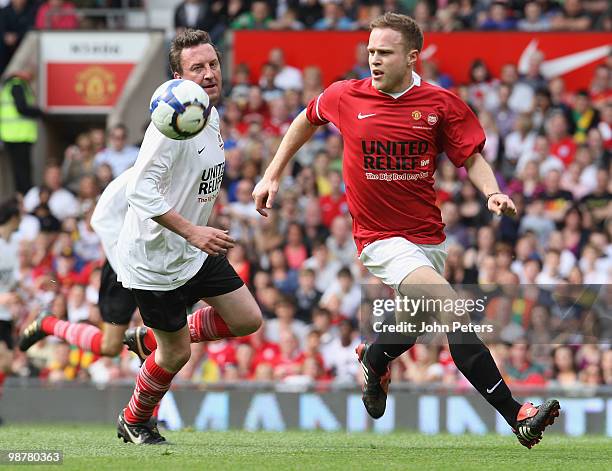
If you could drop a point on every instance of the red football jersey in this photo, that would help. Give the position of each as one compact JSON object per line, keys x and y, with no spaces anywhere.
{"x":390,"y":149}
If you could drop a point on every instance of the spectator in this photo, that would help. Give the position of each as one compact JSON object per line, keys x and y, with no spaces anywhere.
{"x":571,"y":17}
{"x":498,"y":18}
{"x":19,"y":130}
{"x":287,"y":77}
{"x":534,"y":19}
{"x":118,"y":154}
{"x":309,"y":12}
{"x":564,"y":372}
{"x":521,"y":370}
{"x":340,"y":242}
{"x":257,"y":18}
{"x":556,"y":200}
{"x":346,"y":292}
{"x":339,"y":354}
{"x":584,"y":116}
{"x":207,"y":15}
{"x":287,"y":21}
{"x":334,"y":17}
{"x":62,"y":203}
{"x":16,"y":19}
{"x":323,"y":265}
{"x":78,"y":161}
{"x":57,"y":14}
{"x":520,"y":141}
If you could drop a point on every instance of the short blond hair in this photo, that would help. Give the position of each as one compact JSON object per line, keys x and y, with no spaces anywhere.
{"x":406,"y":26}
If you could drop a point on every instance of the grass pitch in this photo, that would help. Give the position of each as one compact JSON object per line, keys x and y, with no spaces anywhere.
{"x":88,"y":447}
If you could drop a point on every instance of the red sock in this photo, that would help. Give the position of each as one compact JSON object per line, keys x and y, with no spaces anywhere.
{"x":2,"y":378}
{"x":85,"y":336}
{"x":207,"y":324}
{"x":204,"y":324}
{"x":151,"y":385}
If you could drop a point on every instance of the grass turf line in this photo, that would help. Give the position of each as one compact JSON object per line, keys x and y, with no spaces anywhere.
{"x":96,"y":447}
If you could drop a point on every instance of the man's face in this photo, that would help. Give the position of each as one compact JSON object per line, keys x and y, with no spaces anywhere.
{"x":201,"y":65}
{"x":390,"y":61}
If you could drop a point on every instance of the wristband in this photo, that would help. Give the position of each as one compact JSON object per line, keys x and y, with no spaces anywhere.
{"x":491,"y":194}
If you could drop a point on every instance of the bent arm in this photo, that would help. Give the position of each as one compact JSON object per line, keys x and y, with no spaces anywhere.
{"x":173,"y":221}
{"x":298,"y":133}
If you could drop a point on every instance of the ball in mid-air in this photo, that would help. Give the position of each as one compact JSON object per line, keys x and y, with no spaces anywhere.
{"x":179,"y":109}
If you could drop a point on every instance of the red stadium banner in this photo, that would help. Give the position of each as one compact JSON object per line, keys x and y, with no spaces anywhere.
{"x":85,"y":72}
{"x":77,"y":85}
{"x":573,"y":56}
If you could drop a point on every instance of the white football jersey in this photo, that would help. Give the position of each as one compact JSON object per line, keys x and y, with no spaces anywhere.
{"x":168,"y":174}
{"x":9,"y":264}
{"x":109,"y":214}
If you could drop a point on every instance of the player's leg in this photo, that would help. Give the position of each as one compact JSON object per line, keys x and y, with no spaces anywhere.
{"x":390,"y":260}
{"x":231,"y":312}
{"x":116,"y":304}
{"x":165,"y":312}
{"x":474,"y":360}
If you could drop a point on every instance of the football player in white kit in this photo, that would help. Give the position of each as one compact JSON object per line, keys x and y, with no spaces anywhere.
{"x":167,"y":255}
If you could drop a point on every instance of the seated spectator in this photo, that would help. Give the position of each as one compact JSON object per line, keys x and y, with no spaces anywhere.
{"x":288,"y":21}
{"x":57,"y":14}
{"x":333,"y":204}
{"x":456,"y":232}
{"x":498,"y":18}
{"x":346,"y":291}
{"x":361,"y":68}
{"x":257,"y":18}
{"x":424,"y":367}
{"x":340,"y":242}
{"x":520,"y":369}
{"x":242,"y":212}
{"x":78,"y":161}
{"x":307,"y":296}
{"x":520,"y":141}
{"x":422,"y":15}
{"x":285,"y":320}
{"x":334,"y":17}
{"x":564,"y":371}
{"x":62,"y":203}
{"x":339,"y":354}
{"x":118,"y":154}
{"x":556,"y":201}
{"x":534,"y":19}
{"x":584,"y":116}
{"x":571,"y":17}
{"x":198,"y":14}
{"x":287,"y":77}
{"x":599,"y":201}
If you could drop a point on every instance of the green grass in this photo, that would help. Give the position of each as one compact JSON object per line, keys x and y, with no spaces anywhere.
{"x":88,"y":447}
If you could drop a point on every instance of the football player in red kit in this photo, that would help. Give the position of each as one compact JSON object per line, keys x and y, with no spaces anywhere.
{"x":394,"y":125}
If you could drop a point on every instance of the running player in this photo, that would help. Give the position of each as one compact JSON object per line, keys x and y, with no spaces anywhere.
{"x":394,"y":125}
{"x":167,"y":255}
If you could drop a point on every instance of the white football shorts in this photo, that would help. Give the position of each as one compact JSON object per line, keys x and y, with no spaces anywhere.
{"x":393,"y":259}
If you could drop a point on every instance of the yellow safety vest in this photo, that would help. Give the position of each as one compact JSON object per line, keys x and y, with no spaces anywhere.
{"x":14,"y":127}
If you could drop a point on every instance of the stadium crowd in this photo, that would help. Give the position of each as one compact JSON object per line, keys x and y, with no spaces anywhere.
{"x":551,"y":151}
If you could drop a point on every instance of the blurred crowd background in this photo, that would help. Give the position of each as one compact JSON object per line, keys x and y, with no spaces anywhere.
{"x":550,"y":150}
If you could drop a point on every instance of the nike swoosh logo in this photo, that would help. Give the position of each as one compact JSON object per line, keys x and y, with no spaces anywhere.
{"x":564,"y":64}
{"x":135,"y":438}
{"x":364,"y":116}
{"x":201,"y":150}
{"x":489,"y":391}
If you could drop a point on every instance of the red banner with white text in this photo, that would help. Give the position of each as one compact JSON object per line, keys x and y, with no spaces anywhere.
{"x":574,"y":56}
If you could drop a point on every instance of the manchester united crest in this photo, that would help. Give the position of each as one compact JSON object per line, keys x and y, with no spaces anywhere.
{"x":416,"y":115}
{"x":95,"y":85}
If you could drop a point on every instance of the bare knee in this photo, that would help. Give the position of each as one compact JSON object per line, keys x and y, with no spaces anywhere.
{"x":250,"y":322}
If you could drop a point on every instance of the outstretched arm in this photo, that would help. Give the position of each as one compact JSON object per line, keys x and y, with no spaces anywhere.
{"x":481,"y":175}
{"x":298,"y":133}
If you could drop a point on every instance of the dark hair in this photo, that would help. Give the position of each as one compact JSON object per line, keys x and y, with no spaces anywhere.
{"x":185,"y":40}
{"x":409,"y":29}
{"x":9,"y":209}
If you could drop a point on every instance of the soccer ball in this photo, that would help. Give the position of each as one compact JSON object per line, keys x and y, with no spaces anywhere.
{"x":180,"y":109}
